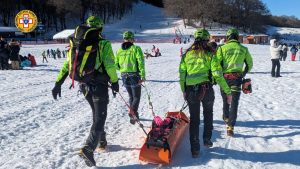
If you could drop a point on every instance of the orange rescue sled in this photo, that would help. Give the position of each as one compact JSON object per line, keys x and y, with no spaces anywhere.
{"x":159,"y":150}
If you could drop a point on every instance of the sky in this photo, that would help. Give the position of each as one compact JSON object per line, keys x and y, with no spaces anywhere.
{"x":284,"y":7}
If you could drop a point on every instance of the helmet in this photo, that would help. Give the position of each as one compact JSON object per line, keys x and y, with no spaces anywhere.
{"x":94,"y":21}
{"x":232,"y":31}
{"x":128,"y":35}
{"x":201,"y":34}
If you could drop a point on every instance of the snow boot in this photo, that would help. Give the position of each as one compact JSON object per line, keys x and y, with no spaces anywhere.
{"x":132,"y":119}
{"x":87,"y":154}
{"x":230,"y":131}
{"x":195,"y":154}
{"x":226,"y":120}
{"x":208,"y":143}
{"x":102,"y":143}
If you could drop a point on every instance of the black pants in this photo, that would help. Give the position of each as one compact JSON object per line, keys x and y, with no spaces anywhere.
{"x":230,"y":111}
{"x":194,"y":94}
{"x":130,"y":81}
{"x":4,"y":63}
{"x":134,"y":97}
{"x":284,"y":56}
{"x":97,"y":97}
{"x":275,"y":64}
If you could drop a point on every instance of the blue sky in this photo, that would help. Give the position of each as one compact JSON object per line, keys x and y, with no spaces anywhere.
{"x":284,"y":7}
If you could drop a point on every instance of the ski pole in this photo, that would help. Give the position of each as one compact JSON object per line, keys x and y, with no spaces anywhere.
{"x":132,"y":113}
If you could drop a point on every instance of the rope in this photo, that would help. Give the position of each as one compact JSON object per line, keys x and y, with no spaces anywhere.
{"x":149,"y":100}
{"x":133,"y":114}
{"x":183,"y":106}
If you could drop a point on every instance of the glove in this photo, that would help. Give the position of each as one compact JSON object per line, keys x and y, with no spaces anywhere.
{"x":56,"y":91}
{"x":115,"y":87}
{"x":141,"y":81}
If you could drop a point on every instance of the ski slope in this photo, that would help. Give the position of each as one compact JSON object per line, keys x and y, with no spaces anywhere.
{"x":39,"y":132}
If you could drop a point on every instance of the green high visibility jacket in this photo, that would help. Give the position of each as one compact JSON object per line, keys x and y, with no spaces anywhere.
{"x":106,"y":58}
{"x":130,"y":58}
{"x":195,"y":68}
{"x":232,"y":57}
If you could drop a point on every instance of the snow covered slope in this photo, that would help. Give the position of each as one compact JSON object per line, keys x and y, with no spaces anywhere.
{"x":288,"y":35}
{"x":39,"y":132}
{"x":146,"y":21}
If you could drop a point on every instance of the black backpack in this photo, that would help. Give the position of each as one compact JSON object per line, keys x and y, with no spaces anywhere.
{"x":84,"y":52}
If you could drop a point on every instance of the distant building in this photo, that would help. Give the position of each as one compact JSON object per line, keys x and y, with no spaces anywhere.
{"x":63,"y":36}
{"x":247,"y":39}
{"x":10,"y":32}
{"x":256,"y":39}
{"x":218,"y":37}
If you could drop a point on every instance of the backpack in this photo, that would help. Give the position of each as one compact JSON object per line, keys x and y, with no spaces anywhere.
{"x":84,"y":52}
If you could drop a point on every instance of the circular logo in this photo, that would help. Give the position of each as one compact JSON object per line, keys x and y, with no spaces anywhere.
{"x":26,"y":21}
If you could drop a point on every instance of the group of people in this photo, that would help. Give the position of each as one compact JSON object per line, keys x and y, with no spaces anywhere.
{"x":9,"y":51}
{"x":200,"y":68}
{"x":279,"y":53}
{"x":54,"y":53}
{"x":204,"y":65}
{"x":155,"y":52}
{"x":27,"y":61}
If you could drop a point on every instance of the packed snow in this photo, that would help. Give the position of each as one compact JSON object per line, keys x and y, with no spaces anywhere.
{"x":39,"y":132}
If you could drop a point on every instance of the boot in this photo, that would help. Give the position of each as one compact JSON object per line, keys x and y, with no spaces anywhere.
{"x":195,"y":154}
{"x":87,"y":154}
{"x":208,"y":143}
{"x":226,"y":120}
{"x":102,"y":142}
{"x":132,"y":119}
{"x":230,"y":131}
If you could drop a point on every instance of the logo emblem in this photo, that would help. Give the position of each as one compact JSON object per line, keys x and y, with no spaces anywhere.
{"x":26,"y":21}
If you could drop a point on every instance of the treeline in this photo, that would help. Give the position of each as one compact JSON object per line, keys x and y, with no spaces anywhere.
{"x":284,"y":21}
{"x":249,"y":15}
{"x":55,"y":13}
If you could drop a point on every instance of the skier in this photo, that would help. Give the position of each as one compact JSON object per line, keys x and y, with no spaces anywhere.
{"x":64,"y":53}
{"x":58,"y":53}
{"x":48,"y":53}
{"x":153,"y":48}
{"x":232,"y":56}
{"x":294,"y":51}
{"x":284,"y":51}
{"x":197,"y":69}
{"x":53,"y":52}
{"x":275,"y":50}
{"x":44,"y":56}
{"x":157,"y":52}
{"x":31,"y":58}
{"x":95,"y":86}
{"x":130,"y":61}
